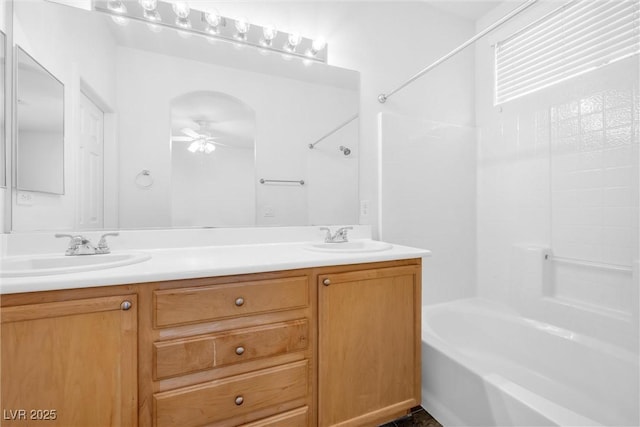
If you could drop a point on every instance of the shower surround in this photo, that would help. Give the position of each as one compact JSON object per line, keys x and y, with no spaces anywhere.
{"x":531,"y":314}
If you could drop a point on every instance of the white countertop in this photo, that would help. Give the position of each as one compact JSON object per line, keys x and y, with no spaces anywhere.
{"x":206,"y":261}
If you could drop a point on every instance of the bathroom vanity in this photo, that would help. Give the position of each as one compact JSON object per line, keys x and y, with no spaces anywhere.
{"x":334,"y":342}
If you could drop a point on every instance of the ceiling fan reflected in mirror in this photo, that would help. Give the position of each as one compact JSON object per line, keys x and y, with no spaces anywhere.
{"x":200,"y":142}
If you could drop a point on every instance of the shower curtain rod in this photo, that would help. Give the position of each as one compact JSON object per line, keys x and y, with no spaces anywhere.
{"x":327,"y":135}
{"x":383,"y":97}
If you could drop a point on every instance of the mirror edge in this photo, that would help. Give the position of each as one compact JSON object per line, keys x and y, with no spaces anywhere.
{"x":8,"y":149}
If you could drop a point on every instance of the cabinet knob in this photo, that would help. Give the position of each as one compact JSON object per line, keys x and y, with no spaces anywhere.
{"x":239,"y":302}
{"x":326,"y":282}
{"x":239,"y":400}
{"x":126,"y":305}
{"x":240,"y":350}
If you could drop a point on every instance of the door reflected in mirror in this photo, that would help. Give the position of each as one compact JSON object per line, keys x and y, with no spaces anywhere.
{"x":40,"y":127}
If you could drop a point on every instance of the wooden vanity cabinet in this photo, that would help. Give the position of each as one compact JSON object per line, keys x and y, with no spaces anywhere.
{"x":330,"y":346}
{"x":70,"y":363}
{"x":368,"y":343}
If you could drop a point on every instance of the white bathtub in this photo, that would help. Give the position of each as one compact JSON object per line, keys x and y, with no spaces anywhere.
{"x":483,"y":365}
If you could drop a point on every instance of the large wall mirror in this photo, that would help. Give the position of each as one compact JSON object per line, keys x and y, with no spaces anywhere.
{"x":167,"y":129}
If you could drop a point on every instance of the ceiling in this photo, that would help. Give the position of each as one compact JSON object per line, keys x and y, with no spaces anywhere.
{"x":468,"y":9}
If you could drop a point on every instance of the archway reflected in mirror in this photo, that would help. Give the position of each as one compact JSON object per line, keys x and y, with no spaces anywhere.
{"x":212,"y":159}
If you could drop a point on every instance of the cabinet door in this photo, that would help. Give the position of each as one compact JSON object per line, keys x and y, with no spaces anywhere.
{"x":70,"y":363}
{"x":369,"y":345}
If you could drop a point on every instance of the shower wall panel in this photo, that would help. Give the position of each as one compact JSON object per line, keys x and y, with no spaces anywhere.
{"x":428,"y":194}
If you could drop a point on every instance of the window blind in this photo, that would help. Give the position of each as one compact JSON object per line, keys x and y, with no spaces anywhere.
{"x":576,"y":38}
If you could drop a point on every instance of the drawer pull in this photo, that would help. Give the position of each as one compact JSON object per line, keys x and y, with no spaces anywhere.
{"x":239,"y":400}
{"x":126,"y":305}
{"x":240,"y":350}
{"x":239,"y":302}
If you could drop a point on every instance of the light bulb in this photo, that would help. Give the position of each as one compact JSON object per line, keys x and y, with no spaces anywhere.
{"x":318,"y":44}
{"x":242,"y":25}
{"x":295,"y":39}
{"x":212,"y":16}
{"x":117,"y":6}
{"x":292,"y":42}
{"x":183,"y":23}
{"x":181,"y":9}
{"x":209,"y":148}
{"x":152,"y":15}
{"x":269,"y":32}
{"x":193,"y":147}
{"x":148,"y":5}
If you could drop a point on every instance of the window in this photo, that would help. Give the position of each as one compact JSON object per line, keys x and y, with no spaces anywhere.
{"x":578,"y":37}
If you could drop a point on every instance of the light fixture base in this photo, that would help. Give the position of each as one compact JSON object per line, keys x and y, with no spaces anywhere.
{"x":195,"y":22}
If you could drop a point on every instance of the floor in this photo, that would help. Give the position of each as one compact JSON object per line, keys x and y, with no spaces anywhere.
{"x":418,"y":418}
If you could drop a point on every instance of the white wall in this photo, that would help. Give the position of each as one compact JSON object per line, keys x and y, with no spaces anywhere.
{"x":428,"y":199}
{"x":212,"y":189}
{"x":428,"y":196}
{"x":66,"y":49}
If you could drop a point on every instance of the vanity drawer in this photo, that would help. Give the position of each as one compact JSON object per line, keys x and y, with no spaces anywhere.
{"x":199,"y":304}
{"x":182,"y":356}
{"x":268,"y":340}
{"x":231,"y":397}
{"x":296,"y":418}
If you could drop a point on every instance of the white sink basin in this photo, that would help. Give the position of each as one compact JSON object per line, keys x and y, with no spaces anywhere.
{"x":351,"y":247}
{"x":44,"y":265}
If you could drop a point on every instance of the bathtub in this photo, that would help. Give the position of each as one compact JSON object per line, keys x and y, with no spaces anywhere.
{"x":483,"y":365}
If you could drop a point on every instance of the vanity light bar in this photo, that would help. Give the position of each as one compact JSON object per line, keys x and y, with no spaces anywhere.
{"x":228,"y":29}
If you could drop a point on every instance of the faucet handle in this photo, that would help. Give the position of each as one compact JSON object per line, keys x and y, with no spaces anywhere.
{"x":344,"y":229}
{"x":327,"y":237}
{"x":75,"y":239}
{"x":103,"y":246}
{"x":71,"y":236}
{"x":341,"y":234}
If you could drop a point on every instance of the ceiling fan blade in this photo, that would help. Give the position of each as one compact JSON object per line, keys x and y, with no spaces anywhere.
{"x":219,"y":143}
{"x":182,"y":139}
{"x":192,"y":133}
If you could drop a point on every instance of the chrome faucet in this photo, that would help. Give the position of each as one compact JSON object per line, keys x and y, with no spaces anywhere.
{"x":340,"y":236}
{"x":80,"y":245}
